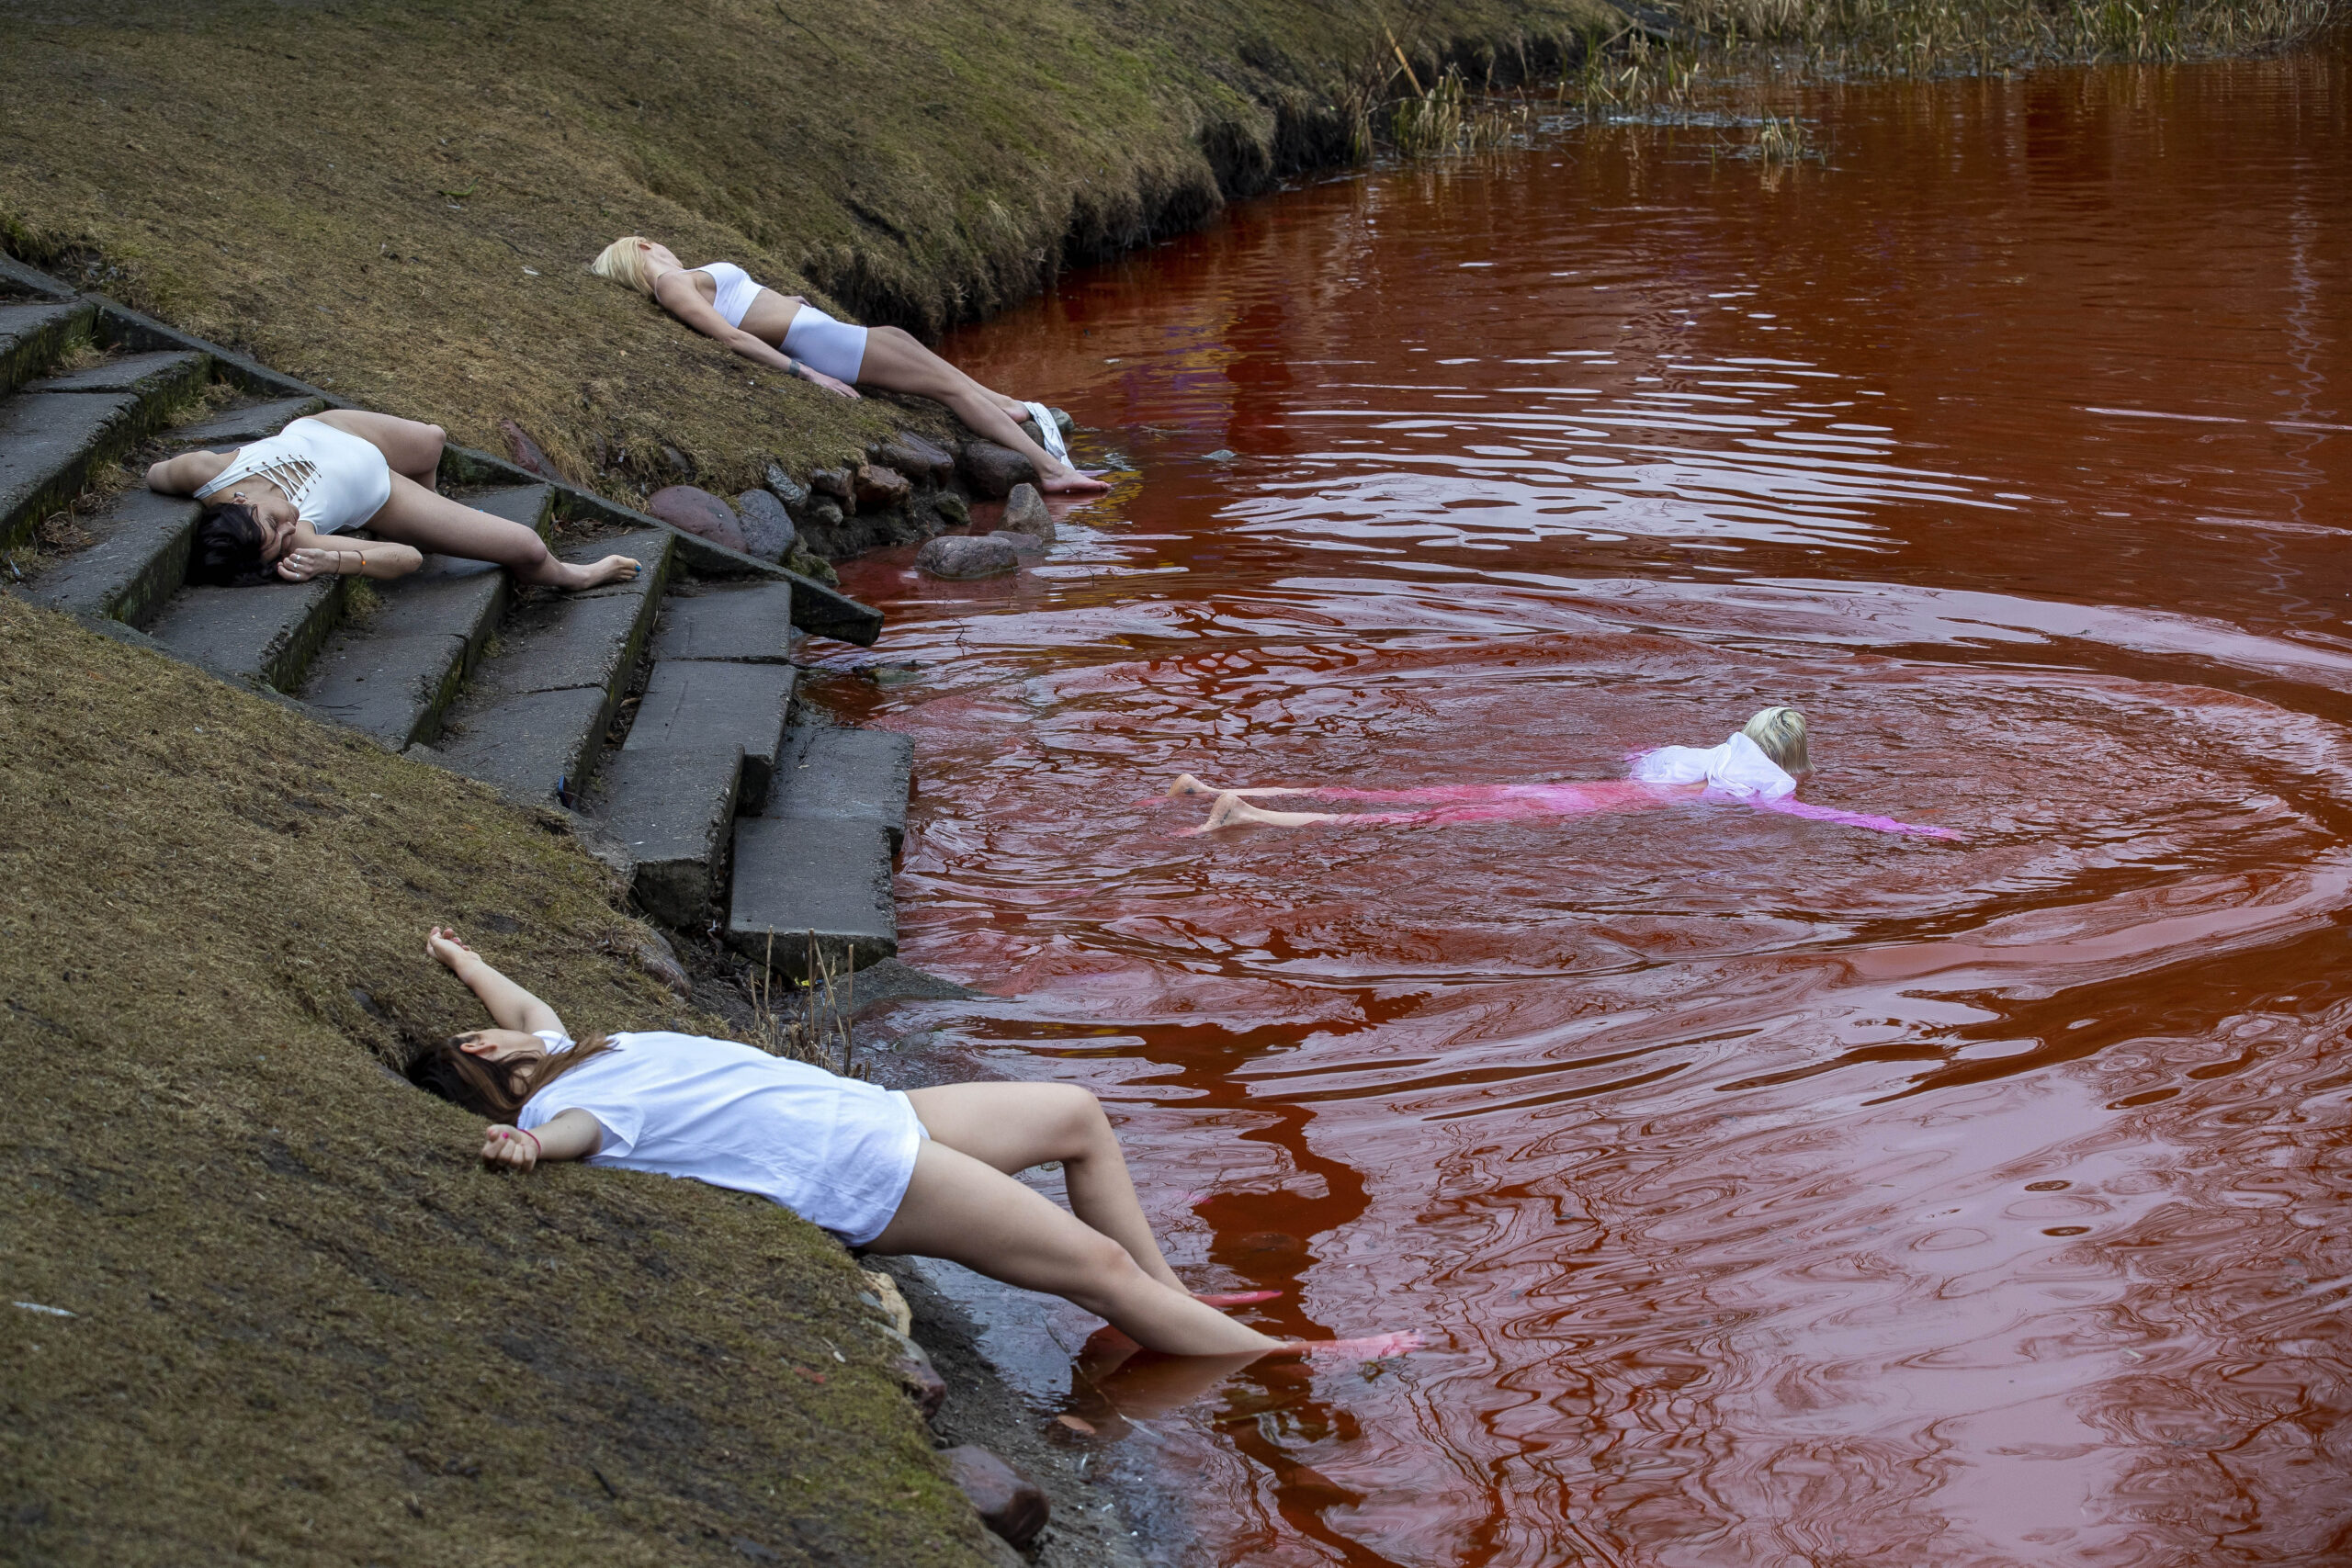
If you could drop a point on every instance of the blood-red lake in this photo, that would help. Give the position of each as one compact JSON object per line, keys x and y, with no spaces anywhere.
{"x":1769,"y":1190}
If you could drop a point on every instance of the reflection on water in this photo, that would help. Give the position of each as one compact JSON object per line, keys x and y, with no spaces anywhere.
{"x":1771,"y":1192}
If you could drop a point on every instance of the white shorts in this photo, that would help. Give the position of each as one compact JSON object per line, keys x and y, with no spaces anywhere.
{"x":836,"y":348}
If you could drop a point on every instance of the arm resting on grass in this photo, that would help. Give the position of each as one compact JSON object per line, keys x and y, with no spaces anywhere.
{"x":570,"y":1135}
{"x":511,"y":1007}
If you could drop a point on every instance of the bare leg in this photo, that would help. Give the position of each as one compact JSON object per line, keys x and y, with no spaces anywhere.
{"x":419,"y":516}
{"x":1187,"y":785}
{"x":895,"y":361}
{"x":413,"y":449}
{"x":1015,"y":1125}
{"x":969,"y":1213}
{"x":1231,"y":811}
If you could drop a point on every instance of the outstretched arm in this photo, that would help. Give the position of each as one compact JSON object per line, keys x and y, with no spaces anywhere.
{"x":684,"y":301}
{"x":510,"y":1004}
{"x":352,"y":558}
{"x":570,"y":1135}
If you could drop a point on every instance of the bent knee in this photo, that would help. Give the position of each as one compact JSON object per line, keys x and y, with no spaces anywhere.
{"x":1073,"y":1112}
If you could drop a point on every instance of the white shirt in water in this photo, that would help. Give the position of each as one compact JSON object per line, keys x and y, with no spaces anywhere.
{"x":834,"y":1151}
{"x":1738,"y":766}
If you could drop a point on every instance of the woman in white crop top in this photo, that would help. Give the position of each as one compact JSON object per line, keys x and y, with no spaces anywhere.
{"x":277,"y":508}
{"x":926,"y":1171}
{"x":788,"y":334}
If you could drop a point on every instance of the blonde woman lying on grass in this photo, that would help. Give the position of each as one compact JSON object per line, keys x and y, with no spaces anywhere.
{"x":926,"y":1171}
{"x":786,"y":332}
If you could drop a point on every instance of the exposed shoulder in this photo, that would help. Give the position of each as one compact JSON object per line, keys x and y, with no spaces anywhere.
{"x":190,"y":471}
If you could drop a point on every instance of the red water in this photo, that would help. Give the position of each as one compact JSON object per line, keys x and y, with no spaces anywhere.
{"x":1772,"y":1192}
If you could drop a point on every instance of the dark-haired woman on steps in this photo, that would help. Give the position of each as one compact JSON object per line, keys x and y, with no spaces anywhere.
{"x":926,"y":1171}
{"x":275,"y":509}
{"x":786,"y":332}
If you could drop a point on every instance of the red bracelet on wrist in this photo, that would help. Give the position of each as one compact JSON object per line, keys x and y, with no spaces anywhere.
{"x":536,"y":1152}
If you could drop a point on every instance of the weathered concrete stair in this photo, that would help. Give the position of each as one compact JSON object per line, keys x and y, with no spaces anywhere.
{"x":34,"y":336}
{"x":538,"y":706}
{"x":394,"y":673}
{"x":817,"y":858}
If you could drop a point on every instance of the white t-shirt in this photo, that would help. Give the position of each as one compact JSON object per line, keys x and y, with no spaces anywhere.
{"x":834,"y":1151}
{"x":1738,"y":766}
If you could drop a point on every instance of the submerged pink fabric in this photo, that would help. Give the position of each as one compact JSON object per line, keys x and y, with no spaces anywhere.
{"x":1496,"y":803}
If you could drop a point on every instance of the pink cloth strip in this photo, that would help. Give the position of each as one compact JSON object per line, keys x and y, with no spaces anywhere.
{"x":1498,"y":803}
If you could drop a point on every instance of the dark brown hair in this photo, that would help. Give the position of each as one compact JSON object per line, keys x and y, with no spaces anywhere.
{"x":496,"y":1091}
{"x":227,"y":552}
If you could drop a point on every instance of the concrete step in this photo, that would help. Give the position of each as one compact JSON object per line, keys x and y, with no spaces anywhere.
{"x":531,"y":505}
{"x":862,"y":775}
{"x":535,"y":713}
{"x":265,"y":633}
{"x":33,"y":336}
{"x":256,"y":422}
{"x":159,"y":376}
{"x":137,"y":562}
{"x":708,"y":706}
{"x":395,"y":672}
{"x":745,"y":622}
{"x":50,"y":447}
{"x":794,"y":876}
{"x":675,"y":810}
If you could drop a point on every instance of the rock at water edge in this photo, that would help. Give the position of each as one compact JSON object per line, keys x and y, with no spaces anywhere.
{"x":1008,"y":1502}
{"x":952,"y":508}
{"x":921,"y":460}
{"x":1024,"y":513}
{"x":699,"y":512}
{"x":879,"y":489}
{"x":785,"y":489}
{"x":836,"y":483}
{"x":768,"y":530}
{"x":962,"y":555}
{"x":993,"y":470}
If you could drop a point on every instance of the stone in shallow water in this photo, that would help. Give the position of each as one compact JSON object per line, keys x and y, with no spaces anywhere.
{"x":1025,"y":513}
{"x":697,"y":512}
{"x":768,"y":531}
{"x":1008,"y":1502}
{"x":993,"y":470}
{"x":954,"y":556}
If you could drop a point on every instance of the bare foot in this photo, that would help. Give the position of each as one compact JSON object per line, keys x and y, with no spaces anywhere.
{"x":1073,"y":481}
{"x":612,"y":568}
{"x":1229,"y":808}
{"x":1187,"y":785}
{"x":1377,"y":1348}
{"x":1235,"y":1298}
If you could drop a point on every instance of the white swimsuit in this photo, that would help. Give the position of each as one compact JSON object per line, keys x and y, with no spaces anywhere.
{"x":336,"y":479}
{"x":835,"y":347}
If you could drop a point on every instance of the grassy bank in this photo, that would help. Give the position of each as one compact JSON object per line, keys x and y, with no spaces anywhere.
{"x":397,"y":200}
{"x":307,"y":1327}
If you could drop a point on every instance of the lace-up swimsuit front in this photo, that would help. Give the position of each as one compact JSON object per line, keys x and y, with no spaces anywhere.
{"x":336,"y":479}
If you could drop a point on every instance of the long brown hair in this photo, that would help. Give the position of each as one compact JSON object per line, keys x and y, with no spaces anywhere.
{"x":497,"y":1091}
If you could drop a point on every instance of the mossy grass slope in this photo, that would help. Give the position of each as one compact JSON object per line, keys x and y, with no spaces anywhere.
{"x":306,"y":1326}
{"x":398,"y":199}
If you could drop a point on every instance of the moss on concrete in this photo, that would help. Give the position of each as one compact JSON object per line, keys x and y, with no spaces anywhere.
{"x":307,"y":1327}
{"x":397,"y":200}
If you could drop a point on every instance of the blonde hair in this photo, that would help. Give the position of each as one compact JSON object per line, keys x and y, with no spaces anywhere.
{"x":1779,"y":733}
{"x":623,"y":262}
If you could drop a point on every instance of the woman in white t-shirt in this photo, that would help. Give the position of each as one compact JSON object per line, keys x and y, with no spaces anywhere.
{"x":926,"y":1171}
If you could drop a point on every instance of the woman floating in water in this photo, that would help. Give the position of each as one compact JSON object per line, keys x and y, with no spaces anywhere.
{"x":786,"y":332}
{"x":275,"y":509}
{"x":1755,"y":766}
{"x":926,"y":1171}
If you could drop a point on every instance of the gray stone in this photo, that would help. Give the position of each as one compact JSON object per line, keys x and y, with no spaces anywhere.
{"x":265,"y":633}
{"x":962,"y":555}
{"x":826,"y":512}
{"x":50,"y":447}
{"x":32,"y":336}
{"x":697,"y":512}
{"x":794,"y":876}
{"x":149,"y":375}
{"x":673,"y":808}
{"x":691,"y":705}
{"x":536,"y":746}
{"x":395,"y":674}
{"x":910,"y":1364}
{"x":862,"y":775}
{"x":1007,"y":1501}
{"x":659,"y":959}
{"x":992,"y":470}
{"x":138,"y":561}
{"x":747,"y":622}
{"x":836,"y":483}
{"x":952,"y":509}
{"x":257,"y":423}
{"x":921,"y":461}
{"x":768,"y":530}
{"x":879,"y":489}
{"x":1025,"y":513}
{"x":785,"y":489}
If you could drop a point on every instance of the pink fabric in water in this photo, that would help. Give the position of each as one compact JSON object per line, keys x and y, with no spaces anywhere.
{"x":1496,"y":803}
